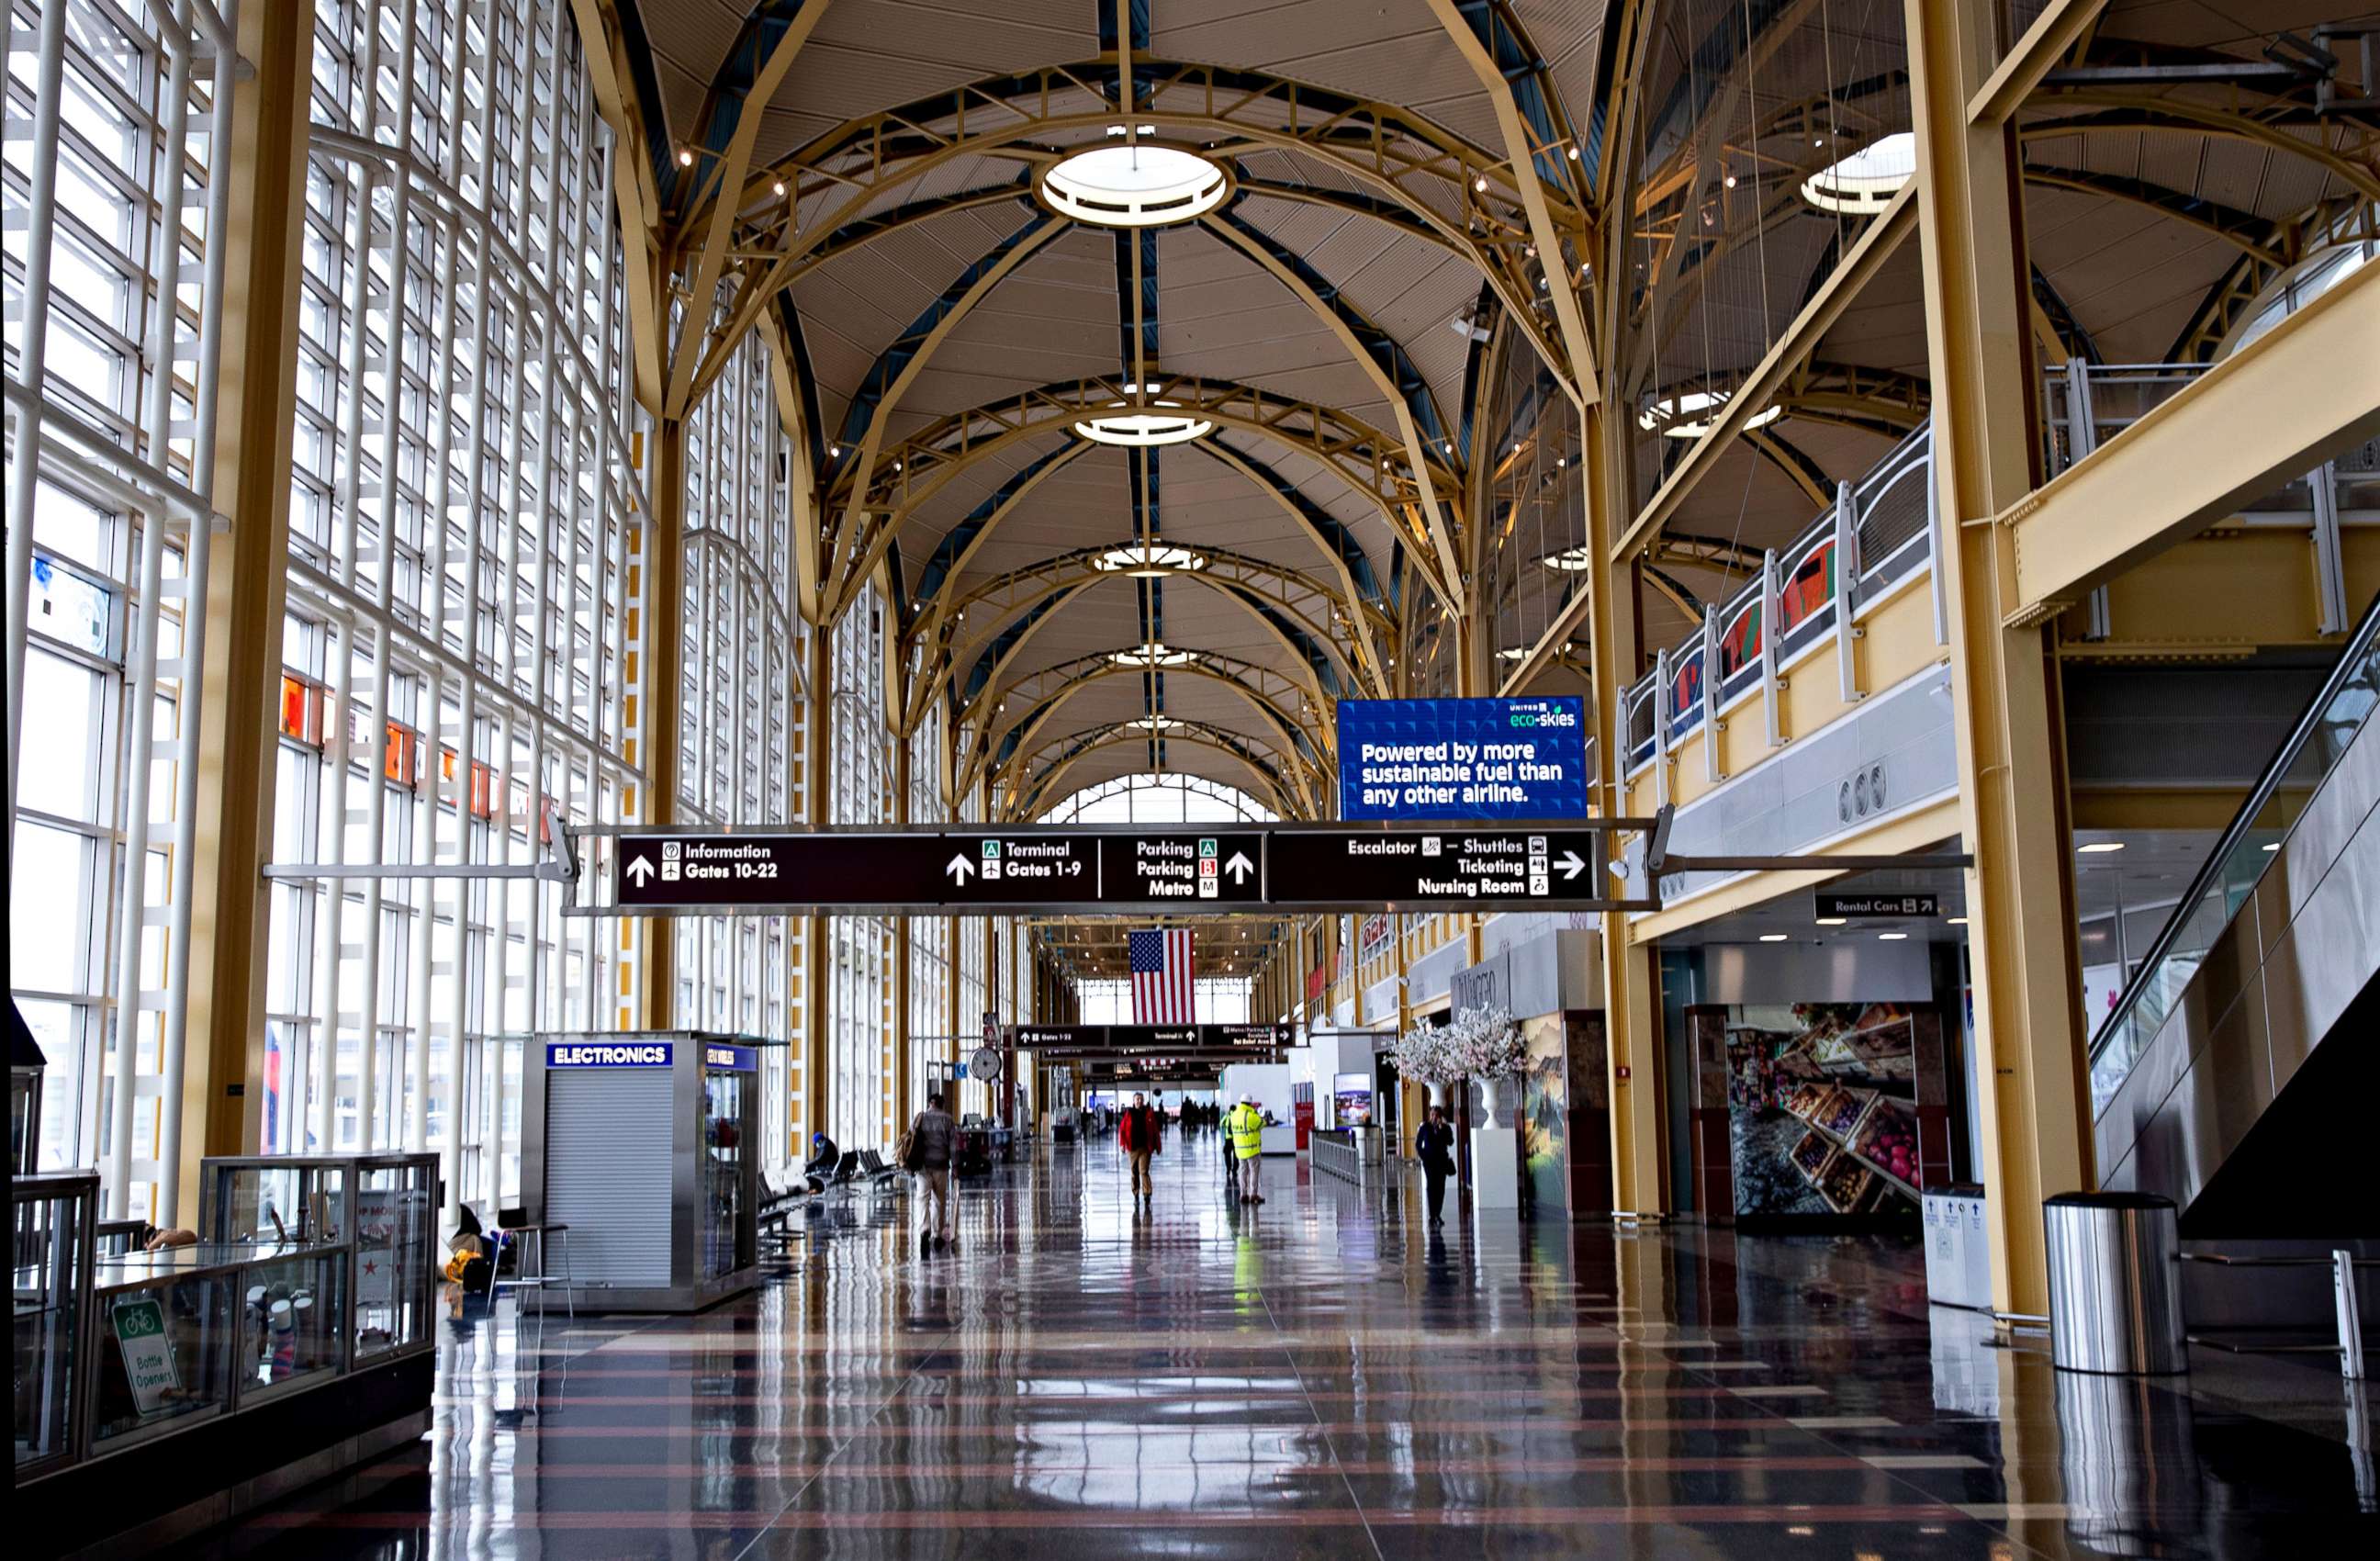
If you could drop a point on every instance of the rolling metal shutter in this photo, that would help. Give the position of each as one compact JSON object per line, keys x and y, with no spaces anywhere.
{"x":607,"y":1171}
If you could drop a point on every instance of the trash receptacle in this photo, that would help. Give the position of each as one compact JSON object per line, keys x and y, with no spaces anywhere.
{"x":2115,"y":1297}
{"x":1949,"y":1234}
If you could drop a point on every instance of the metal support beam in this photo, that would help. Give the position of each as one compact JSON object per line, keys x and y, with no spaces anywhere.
{"x":660,"y":692}
{"x":816,"y":1043}
{"x":228,"y":831}
{"x":721,"y":212}
{"x":2046,"y":45}
{"x":2300,"y":394}
{"x":1877,"y":244}
{"x":1582,"y":380}
{"x":2011,"y":782}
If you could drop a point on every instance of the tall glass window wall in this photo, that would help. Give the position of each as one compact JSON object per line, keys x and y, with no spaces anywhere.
{"x":463,"y":509}
{"x":111,"y":329}
{"x":860,"y":965}
{"x":741,"y":640}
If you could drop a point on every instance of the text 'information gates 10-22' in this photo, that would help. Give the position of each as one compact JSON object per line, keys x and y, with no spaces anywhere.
{"x":1089,"y":869}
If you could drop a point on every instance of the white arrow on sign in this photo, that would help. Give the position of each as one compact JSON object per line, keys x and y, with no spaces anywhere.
{"x":640,"y":872}
{"x":1239,"y":866}
{"x":958,"y":867}
{"x":1571,"y":864}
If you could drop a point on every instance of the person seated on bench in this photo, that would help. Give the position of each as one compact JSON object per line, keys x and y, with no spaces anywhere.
{"x":819,"y":1167}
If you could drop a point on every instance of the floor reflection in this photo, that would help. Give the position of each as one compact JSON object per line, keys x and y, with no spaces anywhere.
{"x":1322,"y":1374}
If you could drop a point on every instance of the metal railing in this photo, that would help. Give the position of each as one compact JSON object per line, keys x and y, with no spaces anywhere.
{"x":2085,"y":404}
{"x":2247,"y":848}
{"x":1879,"y":531}
{"x":1882,"y":529}
{"x":2347,"y":1306}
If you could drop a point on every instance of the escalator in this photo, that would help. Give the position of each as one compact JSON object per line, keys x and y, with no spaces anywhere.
{"x":2239,"y":1072}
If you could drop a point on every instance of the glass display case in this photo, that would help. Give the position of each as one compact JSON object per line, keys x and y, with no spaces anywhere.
{"x":179,"y":1385}
{"x":50,"y":1311}
{"x":162,"y":1327}
{"x":380,"y":1209}
{"x":395,"y":1276}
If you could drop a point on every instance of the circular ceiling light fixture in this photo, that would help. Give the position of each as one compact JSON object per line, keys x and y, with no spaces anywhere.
{"x":1150,"y":560}
{"x":1570,"y":561}
{"x":1156,"y":724}
{"x":1156,"y":653}
{"x":1143,"y":423}
{"x":1690,"y":416}
{"x":1864,"y":183}
{"x":1134,"y":181}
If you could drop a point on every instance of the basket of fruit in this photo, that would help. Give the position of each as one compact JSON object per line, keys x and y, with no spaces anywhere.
{"x":1810,"y":1154}
{"x":1844,"y":1182}
{"x":1887,"y":1139}
{"x":1803,"y":1101}
{"x":1842,"y":1111}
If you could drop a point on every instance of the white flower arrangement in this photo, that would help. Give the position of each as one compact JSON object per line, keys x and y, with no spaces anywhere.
{"x":1487,"y":1043}
{"x":1425,"y":1054}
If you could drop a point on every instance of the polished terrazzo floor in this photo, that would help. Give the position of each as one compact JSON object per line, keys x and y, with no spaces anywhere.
{"x":1321,"y":1376}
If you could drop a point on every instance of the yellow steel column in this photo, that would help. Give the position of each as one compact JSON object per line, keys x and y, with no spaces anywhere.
{"x":231,"y":829}
{"x":898,"y":1084}
{"x":816,"y":957}
{"x":2011,"y":787}
{"x":1637,"y":1126}
{"x":662,"y":691}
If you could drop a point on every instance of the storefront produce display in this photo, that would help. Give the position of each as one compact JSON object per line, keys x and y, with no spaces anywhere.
{"x":1822,"y":1108}
{"x":1887,"y":1139}
{"x":1843,"y":1108}
{"x":1844,"y":1182}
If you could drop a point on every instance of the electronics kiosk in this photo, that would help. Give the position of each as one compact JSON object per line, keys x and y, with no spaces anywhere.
{"x":645,"y":1144}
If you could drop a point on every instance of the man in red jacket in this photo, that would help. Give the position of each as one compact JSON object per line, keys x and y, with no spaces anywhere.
{"x":1137,"y":1134}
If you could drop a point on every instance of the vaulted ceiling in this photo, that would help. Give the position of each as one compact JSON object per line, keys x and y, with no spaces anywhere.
{"x":949,"y":329}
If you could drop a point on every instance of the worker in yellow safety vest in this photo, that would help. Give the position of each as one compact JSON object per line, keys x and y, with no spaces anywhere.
{"x":1246,"y":1124}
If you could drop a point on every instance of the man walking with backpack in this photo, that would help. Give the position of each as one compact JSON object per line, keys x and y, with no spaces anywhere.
{"x":925,"y":1149}
{"x":1138,"y":1135}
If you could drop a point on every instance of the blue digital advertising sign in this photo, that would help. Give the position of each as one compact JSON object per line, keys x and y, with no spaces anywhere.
{"x":1462,"y":759}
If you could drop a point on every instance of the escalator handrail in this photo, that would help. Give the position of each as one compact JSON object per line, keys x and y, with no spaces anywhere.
{"x":2308,"y":721}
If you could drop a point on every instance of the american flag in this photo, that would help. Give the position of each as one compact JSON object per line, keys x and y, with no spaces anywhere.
{"x":1161,"y":977}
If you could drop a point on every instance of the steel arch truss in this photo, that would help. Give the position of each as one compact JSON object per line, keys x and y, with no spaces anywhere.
{"x":1028,"y":776}
{"x":1847,"y":395}
{"x":1282,"y":702}
{"x":861,"y":526}
{"x":1298,"y":610}
{"x":1472,"y":201}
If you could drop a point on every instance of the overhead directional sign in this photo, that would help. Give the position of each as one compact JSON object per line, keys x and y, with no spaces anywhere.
{"x":1091,"y":870}
{"x":1401,"y":868}
{"x":695,"y":871}
{"x":1168,"y":1039}
{"x":1164,"y":868}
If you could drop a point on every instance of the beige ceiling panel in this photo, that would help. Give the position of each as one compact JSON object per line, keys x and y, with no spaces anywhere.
{"x":690,"y":38}
{"x":2234,"y":173}
{"x":1568,"y":34}
{"x":2177,"y":162}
